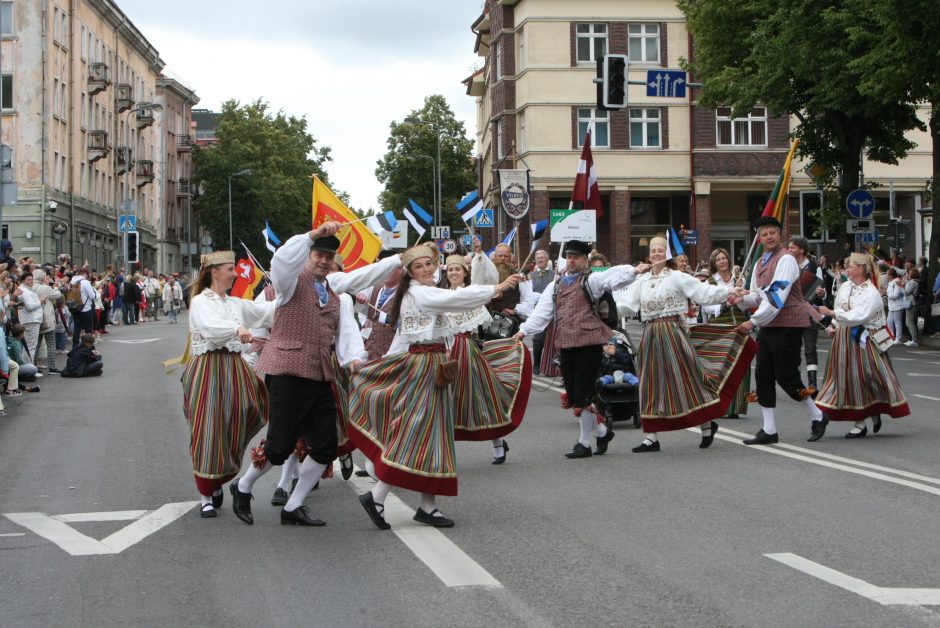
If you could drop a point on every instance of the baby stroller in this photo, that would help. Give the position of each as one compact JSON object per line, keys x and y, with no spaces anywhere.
{"x":620,"y":400}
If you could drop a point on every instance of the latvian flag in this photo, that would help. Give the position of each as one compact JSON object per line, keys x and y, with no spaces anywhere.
{"x":586,"y":189}
{"x":418,"y":217}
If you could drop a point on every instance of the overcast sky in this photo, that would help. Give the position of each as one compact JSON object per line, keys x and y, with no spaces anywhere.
{"x":349,"y":66}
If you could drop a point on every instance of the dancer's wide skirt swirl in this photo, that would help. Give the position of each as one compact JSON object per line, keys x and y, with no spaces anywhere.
{"x":226,"y":405}
{"x":860,"y":382}
{"x":688,"y":378}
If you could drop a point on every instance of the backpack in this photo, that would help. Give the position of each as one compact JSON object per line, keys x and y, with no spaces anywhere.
{"x":604,"y":308}
{"x":73,"y":298}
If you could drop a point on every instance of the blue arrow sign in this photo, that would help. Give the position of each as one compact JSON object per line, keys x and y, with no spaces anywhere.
{"x":484,"y":218}
{"x":665,"y":83}
{"x":860,"y":203}
{"x":127,"y":223}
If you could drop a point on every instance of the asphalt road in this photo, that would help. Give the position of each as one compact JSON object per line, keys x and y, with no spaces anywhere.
{"x":676,"y":538}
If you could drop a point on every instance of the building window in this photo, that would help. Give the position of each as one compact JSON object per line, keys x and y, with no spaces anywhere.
{"x":645,"y":128}
{"x":6,"y":18}
{"x":500,"y":152}
{"x":523,"y":144}
{"x":748,"y":131}
{"x":596,"y":121}
{"x":6,"y":91}
{"x":591,"y":42}
{"x":497,"y":61}
{"x":644,"y":43}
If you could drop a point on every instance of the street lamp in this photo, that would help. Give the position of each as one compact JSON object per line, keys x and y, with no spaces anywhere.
{"x":434,"y":202}
{"x":240,"y":173}
{"x":412,"y":121}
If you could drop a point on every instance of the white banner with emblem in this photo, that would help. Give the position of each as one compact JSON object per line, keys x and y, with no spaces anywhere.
{"x":514,"y":193}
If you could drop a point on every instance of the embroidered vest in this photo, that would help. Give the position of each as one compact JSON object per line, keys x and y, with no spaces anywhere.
{"x":576,"y":325}
{"x":380,"y":339}
{"x":302,"y":335}
{"x":794,"y":312}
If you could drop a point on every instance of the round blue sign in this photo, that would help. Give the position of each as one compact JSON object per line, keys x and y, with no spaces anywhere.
{"x":860,"y":203}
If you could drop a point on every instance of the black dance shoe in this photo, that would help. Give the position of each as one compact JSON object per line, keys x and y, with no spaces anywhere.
{"x":644,"y":447}
{"x":762,"y":438}
{"x":280,"y":497}
{"x":208,"y":512}
{"x":603,"y":441}
{"x":299,"y":517}
{"x":430,"y":520}
{"x":579,"y":451}
{"x":241,"y":503}
{"x":362,"y":473}
{"x":819,"y":430}
{"x":369,"y":504}
{"x":708,"y":440}
{"x":501,"y":459}
{"x":217,"y":498}
{"x":346,"y":466}
{"x":876,"y":423}
{"x":861,"y":434}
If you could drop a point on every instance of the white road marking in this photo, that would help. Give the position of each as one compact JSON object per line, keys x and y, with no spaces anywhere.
{"x":9,"y":534}
{"x":140,"y":341}
{"x":902,"y":359}
{"x":448,"y":562}
{"x":923,"y":374}
{"x":926,"y":397}
{"x":56,"y":529}
{"x":882,"y":595}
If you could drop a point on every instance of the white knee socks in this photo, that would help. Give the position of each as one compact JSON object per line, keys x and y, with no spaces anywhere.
{"x":287,"y":472}
{"x":248,"y":480}
{"x":600,"y":428}
{"x":770,"y":426}
{"x":814,"y":412}
{"x":587,"y":422}
{"x":498,"y":451}
{"x":310,"y":472}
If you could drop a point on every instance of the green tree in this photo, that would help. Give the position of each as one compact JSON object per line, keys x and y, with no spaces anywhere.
{"x":282,"y":156}
{"x":406,"y":171}
{"x":796,"y":57}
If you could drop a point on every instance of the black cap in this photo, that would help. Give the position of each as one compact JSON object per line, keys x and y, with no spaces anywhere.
{"x":326,"y":244}
{"x":384,"y":253}
{"x":767,"y":221}
{"x":577,"y":247}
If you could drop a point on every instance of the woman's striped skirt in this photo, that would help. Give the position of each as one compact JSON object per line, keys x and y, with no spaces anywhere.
{"x":860,"y":382}
{"x":226,"y":405}
{"x":688,"y":378}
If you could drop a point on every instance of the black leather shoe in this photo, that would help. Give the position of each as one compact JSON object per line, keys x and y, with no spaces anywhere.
{"x":708,"y":440}
{"x":241,"y":503}
{"x":762,"y":438}
{"x":280,"y":497}
{"x":299,"y":517}
{"x":644,"y":447}
{"x":603,"y":441}
{"x":431,"y":520}
{"x":217,"y":498}
{"x":369,"y":504}
{"x":362,"y":473}
{"x":876,"y":423}
{"x":819,"y":430}
{"x":861,"y":434}
{"x":208,"y":512}
{"x":502,"y":459}
{"x":346,"y":466}
{"x":579,"y":451}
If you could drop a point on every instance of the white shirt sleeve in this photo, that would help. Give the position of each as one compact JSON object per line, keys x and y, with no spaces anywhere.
{"x":89,"y":294}
{"x":257,"y":314}
{"x":349,"y":344}
{"x":528,"y":299}
{"x":483,"y":271}
{"x":629,"y":300}
{"x":441,"y":301}
{"x":30,"y":300}
{"x":865,"y":307}
{"x":206,"y":319}
{"x":358,"y":280}
{"x":287,"y":264}
{"x":700,"y":292}
{"x":543,"y":313}
{"x":611,"y":279}
{"x":787,"y":271}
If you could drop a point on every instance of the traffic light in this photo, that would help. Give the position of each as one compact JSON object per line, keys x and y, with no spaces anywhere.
{"x":612,"y":82}
{"x":132,"y":253}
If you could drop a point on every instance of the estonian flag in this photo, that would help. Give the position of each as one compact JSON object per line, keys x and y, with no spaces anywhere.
{"x":385,"y":221}
{"x":673,"y":245}
{"x":271,"y":241}
{"x":469,"y":206}
{"x":418,"y":217}
{"x":510,"y":237}
{"x":538,"y":229}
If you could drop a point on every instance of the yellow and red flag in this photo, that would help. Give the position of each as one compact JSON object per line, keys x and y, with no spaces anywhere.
{"x":358,"y":245}
{"x":247,"y":278}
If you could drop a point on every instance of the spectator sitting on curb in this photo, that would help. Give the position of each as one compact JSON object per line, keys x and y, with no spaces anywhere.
{"x":84,"y":360}
{"x":16,"y":350}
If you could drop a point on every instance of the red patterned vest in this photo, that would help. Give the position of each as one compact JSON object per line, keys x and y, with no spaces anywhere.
{"x":793,"y":313}
{"x":576,"y":325}
{"x":302,"y":335}
{"x":380,"y":339}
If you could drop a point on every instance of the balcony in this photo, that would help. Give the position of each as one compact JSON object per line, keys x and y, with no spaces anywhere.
{"x":98,"y":146}
{"x":123,"y":96}
{"x":123,"y":159}
{"x":98,"y":80}
{"x":144,"y":115}
{"x":183,"y":188}
{"x":144,"y":172}
{"x":184,"y":143}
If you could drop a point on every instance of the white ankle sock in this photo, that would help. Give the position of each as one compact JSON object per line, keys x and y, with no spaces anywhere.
{"x":859,"y":426}
{"x":814,"y":412}
{"x":498,"y":451}
{"x":248,"y":480}
{"x":706,"y":428}
{"x":205,"y":500}
{"x":310,"y":472}
{"x":770,"y":426}
{"x":587,"y":422}
{"x":371,"y":469}
{"x":287,"y":472}
{"x":429,"y":504}
{"x":650,"y":437}
{"x":379,"y":492}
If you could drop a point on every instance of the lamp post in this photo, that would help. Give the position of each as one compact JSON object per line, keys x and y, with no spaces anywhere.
{"x":240,"y":173}
{"x":434,"y":202}
{"x":412,"y":121}
{"x":128,"y":204}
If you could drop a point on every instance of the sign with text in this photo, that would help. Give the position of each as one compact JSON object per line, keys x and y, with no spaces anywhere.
{"x":573,"y":224}
{"x":514,"y":192}
{"x":440,"y":233}
{"x":397,"y":238}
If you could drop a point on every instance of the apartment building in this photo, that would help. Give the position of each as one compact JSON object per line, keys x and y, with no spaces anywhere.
{"x":662,"y":161}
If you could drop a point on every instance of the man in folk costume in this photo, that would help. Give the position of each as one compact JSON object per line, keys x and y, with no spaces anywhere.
{"x":540,"y":277}
{"x":780,"y":316}
{"x":298,"y":363}
{"x":378,"y":303}
{"x":580,"y":335}
{"x":811,"y":285}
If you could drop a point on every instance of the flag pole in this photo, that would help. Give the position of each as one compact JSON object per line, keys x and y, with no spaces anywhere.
{"x":254,"y":260}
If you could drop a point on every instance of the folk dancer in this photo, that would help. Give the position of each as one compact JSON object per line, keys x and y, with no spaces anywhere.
{"x":724,"y":274}
{"x":811,"y":285}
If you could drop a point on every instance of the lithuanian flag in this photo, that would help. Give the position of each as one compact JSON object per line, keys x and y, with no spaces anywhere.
{"x":358,"y":245}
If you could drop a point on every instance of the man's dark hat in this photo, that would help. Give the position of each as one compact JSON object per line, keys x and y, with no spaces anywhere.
{"x":326,"y":244}
{"x":577,"y":247}
{"x":384,"y":253}
{"x":767,"y":221}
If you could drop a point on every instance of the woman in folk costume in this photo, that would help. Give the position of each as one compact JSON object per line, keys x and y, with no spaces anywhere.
{"x":723,"y":274}
{"x":684,"y":382}
{"x":860,"y":381}
{"x":401,"y":408}
{"x":497,"y":362}
{"x":224,"y":401}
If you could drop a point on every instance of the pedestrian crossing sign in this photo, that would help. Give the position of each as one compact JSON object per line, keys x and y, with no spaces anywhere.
{"x":484,"y":218}
{"x":127,"y":223}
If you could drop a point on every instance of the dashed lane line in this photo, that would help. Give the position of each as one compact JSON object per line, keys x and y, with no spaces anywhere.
{"x":926,"y":397}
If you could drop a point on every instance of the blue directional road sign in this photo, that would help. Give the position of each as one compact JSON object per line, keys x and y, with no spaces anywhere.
{"x":484,"y":218}
{"x":860,"y":203}
{"x":665,"y":83}
{"x":466,"y":241}
{"x":127,"y":223}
